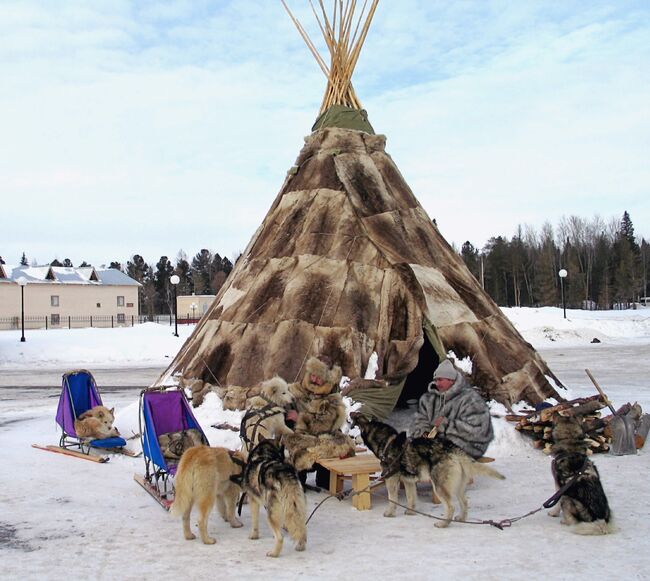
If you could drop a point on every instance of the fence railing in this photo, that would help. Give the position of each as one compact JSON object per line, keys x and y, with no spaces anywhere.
{"x":81,"y":322}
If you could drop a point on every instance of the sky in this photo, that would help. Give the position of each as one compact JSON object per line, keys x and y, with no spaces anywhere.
{"x":153,"y":127}
{"x":51,"y":503}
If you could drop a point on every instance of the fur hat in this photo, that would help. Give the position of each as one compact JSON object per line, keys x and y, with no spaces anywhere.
{"x":320,"y":377}
{"x":446,"y":370}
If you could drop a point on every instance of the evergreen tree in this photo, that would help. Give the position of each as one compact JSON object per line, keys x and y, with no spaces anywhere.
{"x":496,"y":270}
{"x":470,"y":257}
{"x":2,"y":260}
{"x":137,"y":269}
{"x":84,"y":264}
{"x":164,"y":295}
{"x":184,"y":273}
{"x":116,"y":265}
{"x":56,"y":262}
{"x":67,"y":263}
{"x":23,"y":260}
{"x":202,"y":272}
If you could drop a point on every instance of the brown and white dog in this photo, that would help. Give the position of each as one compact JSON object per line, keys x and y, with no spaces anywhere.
{"x":96,"y":423}
{"x":204,"y":478}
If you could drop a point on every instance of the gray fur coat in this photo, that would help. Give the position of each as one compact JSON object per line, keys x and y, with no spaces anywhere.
{"x":468,"y":424}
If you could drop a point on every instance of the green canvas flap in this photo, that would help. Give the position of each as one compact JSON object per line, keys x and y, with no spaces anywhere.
{"x":345,"y":118}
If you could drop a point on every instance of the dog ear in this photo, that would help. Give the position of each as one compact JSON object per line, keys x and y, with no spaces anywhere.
{"x":112,"y":411}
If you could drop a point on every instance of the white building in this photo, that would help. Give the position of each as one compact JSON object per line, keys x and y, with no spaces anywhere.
{"x":66,"y":297}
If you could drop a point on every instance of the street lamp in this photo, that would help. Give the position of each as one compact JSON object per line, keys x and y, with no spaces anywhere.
{"x":174,"y":279}
{"x":562,"y":274}
{"x":22,"y":282}
{"x":193,"y":306}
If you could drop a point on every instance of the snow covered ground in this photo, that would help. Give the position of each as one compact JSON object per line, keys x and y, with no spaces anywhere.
{"x":62,"y":517}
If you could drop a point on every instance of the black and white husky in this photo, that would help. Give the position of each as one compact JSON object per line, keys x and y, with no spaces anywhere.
{"x":583,"y":504}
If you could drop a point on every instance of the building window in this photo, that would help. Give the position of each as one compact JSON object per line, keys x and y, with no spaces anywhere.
{"x":120,"y":301}
{"x":130,"y":305}
{"x":55,"y":318}
{"x":54,"y":300}
{"x":99,"y":305}
{"x":120,"y":318}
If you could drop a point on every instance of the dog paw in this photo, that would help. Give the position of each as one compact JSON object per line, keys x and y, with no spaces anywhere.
{"x":209,"y":541}
{"x":389,"y":513}
{"x":236,"y":524}
{"x":300,"y":546}
{"x":441,"y":524}
{"x":410,"y":512}
{"x":190,"y":537}
{"x":273,"y":553}
{"x":254,"y":536}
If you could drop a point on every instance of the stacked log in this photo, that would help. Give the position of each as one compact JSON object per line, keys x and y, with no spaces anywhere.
{"x":538,"y":424}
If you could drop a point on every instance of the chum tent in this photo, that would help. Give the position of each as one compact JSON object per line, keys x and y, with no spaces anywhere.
{"x":347,"y":263}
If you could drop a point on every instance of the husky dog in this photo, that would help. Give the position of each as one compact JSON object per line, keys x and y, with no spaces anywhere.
{"x":447,"y":466}
{"x":264,"y":417}
{"x":204,"y":477}
{"x":583,"y":503}
{"x":96,"y":423}
{"x":269,"y":480}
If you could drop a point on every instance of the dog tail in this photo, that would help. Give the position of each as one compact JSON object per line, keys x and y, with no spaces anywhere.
{"x":478,"y":469}
{"x":183,"y":483}
{"x":597,"y":527}
{"x":292,"y":499}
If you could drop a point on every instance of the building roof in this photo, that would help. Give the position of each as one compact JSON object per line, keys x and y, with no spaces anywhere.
{"x":65,"y":275}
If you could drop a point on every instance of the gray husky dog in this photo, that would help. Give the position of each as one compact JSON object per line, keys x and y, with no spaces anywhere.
{"x":267,"y":479}
{"x":583,"y":503}
{"x":448,"y":467}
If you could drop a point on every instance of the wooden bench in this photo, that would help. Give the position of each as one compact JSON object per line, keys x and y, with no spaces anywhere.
{"x":359,"y":468}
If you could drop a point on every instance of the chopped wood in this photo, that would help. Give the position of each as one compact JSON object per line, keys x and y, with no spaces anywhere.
{"x":583,"y":409}
{"x":547,"y":413}
{"x":538,"y":426}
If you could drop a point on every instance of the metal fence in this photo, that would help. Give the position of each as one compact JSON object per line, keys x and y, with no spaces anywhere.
{"x":81,"y":322}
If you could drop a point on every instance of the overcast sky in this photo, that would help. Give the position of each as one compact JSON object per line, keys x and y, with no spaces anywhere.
{"x":150,"y":127}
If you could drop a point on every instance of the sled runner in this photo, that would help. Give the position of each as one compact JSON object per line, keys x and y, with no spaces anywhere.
{"x":79,"y":394}
{"x":163,"y":413}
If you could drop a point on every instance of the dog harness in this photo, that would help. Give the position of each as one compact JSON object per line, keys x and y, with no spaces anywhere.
{"x":551,"y":502}
{"x":261,"y":414}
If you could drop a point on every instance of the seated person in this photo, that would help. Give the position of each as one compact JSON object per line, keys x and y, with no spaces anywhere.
{"x":456,"y":410}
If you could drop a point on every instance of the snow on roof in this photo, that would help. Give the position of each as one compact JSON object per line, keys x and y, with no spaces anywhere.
{"x":65,"y":275}
{"x":114,"y":276}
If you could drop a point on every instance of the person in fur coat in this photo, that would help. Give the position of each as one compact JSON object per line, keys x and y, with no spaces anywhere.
{"x":320,"y":415}
{"x":456,"y":410}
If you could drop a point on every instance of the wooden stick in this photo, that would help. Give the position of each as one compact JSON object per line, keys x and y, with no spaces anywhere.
{"x":600,"y":391}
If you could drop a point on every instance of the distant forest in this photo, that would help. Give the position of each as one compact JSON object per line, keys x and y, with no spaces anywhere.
{"x":606,"y":267}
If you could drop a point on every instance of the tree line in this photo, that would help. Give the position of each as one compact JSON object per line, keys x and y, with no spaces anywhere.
{"x":204,"y":275}
{"x":606,"y":266}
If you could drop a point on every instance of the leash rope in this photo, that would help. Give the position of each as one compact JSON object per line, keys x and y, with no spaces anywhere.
{"x":499,"y":524}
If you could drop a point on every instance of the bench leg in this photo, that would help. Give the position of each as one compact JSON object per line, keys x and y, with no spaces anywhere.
{"x":361,"y":482}
{"x":336,"y":482}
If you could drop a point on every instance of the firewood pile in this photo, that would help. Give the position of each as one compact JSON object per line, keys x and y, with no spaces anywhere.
{"x":538,"y":425}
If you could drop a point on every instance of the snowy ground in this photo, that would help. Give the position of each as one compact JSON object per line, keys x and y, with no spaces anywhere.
{"x":63,"y":517}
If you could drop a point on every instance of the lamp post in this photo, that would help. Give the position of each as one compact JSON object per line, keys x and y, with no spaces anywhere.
{"x":562,"y":274}
{"x":22,"y":282}
{"x":193,"y":306}
{"x":174,"y":279}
